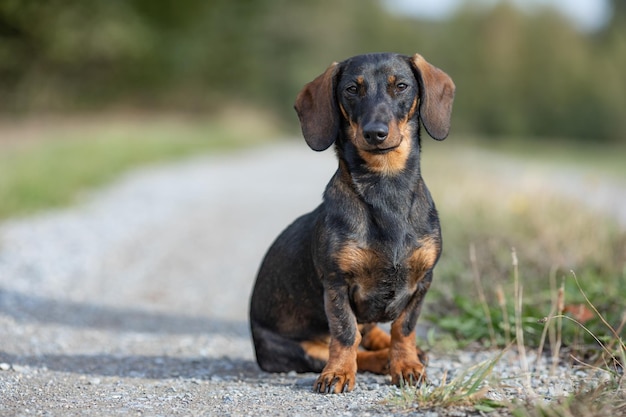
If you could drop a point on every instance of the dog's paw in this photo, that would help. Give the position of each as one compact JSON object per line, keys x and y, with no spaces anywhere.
{"x":335,"y":382}
{"x":411,"y":373}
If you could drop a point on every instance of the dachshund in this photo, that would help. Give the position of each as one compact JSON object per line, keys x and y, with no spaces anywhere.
{"x":366,"y":254}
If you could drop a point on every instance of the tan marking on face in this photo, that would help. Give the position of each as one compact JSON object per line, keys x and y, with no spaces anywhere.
{"x":353,"y":129}
{"x":344,"y":112}
{"x":404,"y":127}
{"x":391,"y":80}
{"x":392,"y":162}
{"x":400,"y":135}
{"x":412,"y":109}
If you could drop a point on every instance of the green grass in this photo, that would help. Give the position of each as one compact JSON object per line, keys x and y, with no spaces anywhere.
{"x":469,"y":390}
{"x":60,"y":162}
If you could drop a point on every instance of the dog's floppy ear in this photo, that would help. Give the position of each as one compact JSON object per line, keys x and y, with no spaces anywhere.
{"x":317,"y":110}
{"x":436,"y":98}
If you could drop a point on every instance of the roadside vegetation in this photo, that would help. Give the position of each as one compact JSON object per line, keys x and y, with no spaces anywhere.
{"x":526,"y":270}
{"x":52,"y":163}
{"x":484,"y":217}
{"x":478,"y":390}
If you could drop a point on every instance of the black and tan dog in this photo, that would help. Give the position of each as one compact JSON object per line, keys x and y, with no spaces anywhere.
{"x":367,"y":253}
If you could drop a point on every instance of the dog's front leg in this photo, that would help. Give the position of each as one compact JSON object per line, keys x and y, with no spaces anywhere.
{"x":339,"y":374}
{"x":405,"y":365}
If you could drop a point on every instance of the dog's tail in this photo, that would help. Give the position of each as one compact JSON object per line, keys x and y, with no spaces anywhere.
{"x":277,"y":353}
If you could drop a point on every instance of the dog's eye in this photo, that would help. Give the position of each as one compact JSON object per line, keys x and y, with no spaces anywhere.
{"x":351,"y":89}
{"x":401,"y":87}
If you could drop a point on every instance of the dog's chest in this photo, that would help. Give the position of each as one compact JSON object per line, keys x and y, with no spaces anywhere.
{"x":382,"y":283}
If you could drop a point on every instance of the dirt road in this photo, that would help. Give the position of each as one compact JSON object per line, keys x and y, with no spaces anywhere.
{"x":134,"y":302}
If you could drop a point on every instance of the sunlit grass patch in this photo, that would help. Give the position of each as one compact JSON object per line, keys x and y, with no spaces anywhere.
{"x":467,"y":389}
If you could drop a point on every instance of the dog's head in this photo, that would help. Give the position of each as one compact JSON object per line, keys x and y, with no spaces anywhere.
{"x":377,"y":99}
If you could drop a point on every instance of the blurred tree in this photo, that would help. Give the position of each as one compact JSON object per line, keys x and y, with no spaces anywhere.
{"x":618,"y":15}
{"x":533,"y":76}
{"x":50,"y":50}
{"x":517,"y":74}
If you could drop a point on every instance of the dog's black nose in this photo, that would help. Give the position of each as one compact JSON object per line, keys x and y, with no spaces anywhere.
{"x":375,"y":133}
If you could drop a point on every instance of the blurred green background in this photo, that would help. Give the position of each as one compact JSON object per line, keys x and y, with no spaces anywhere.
{"x":519,"y":73}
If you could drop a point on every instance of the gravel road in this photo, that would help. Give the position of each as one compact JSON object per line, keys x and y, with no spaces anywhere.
{"x":134,"y":301}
